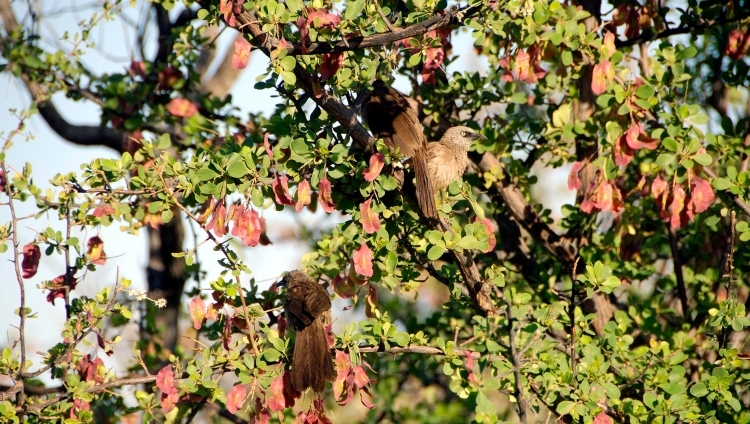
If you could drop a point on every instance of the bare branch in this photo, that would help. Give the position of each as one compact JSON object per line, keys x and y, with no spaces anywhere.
{"x":696,"y":27}
{"x":225,"y":76}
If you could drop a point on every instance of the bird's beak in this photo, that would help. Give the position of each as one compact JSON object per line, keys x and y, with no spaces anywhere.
{"x":282,"y":282}
{"x":477,"y":136}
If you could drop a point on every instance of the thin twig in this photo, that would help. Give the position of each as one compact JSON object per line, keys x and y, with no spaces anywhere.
{"x":516,"y":360}
{"x":677,"y":264}
{"x":385,"y":19}
{"x":572,"y":317}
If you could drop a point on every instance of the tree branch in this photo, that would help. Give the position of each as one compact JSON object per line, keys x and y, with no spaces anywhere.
{"x":423,"y":350}
{"x":355,"y":43}
{"x":696,"y":27}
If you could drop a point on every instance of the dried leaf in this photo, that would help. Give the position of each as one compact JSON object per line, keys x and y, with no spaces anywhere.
{"x":30,"y":262}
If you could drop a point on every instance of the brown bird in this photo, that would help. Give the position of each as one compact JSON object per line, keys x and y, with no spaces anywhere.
{"x":390,"y":116}
{"x":307,"y":308}
{"x":448,"y":158}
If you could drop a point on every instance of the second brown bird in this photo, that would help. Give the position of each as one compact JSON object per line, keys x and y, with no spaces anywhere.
{"x":307,"y":309}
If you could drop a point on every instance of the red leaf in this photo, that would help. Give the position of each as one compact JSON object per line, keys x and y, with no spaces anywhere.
{"x":183,"y":108}
{"x":637,"y":138}
{"x":574,"y":183}
{"x":623,"y":152}
{"x":602,"y":418}
{"x":247,"y":226}
{"x":264,"y":240}
{"x":241,"y":54}
{"x":88,"y":369}
{"x":363,"y":260}
{"x":218,"y":222}
{"x":169,"y":400}
{"x":304,"y":195}
{"x":342,"y":362}
{"x":599,"y":79}
{"x":344,"y":287}
{"x":659,"y":187}
{"x":376,"y":165}
{"x":235,"y":398}
{"x":138,"y":68}
{"x":360,"y":377}
{"x":30,"y":262}
{"x":95,"y":253}
{"x":504,"y":64}
{"x":317,"y":18}
{"x":324,"y":195}
{"x":364,"y":401}
{"x":58,"y":288}
{"x":197,"y":309}
{"x":263,"y":416}
{"x":737,"y":44}
{"x":702,"y":195}
{"x":521,"y":65}
{"x":432,"y":62}
{"x":281,"y":190}
{"x":103,"y":210}
{"x":168,"y":77}
{"x":677,"y":215}
{"x":275,"y":395}
{"x":267,"y":146}
{"x":369,"y":218}
{"x":79,"y":405}
{"x":165,"y":379}
{"x":608,"y":46}
{"x":330,"y":64}
{"x":226,"y":7}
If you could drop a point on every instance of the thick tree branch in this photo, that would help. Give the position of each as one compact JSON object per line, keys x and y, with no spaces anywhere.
{"x":355,"y":43}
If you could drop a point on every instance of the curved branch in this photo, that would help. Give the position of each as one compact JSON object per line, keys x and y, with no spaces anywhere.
{"x":696,"y":27}
{"x":436,"y":22}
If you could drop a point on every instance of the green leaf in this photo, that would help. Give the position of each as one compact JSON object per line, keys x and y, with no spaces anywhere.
{"x":699,"y":390}
{"x":721,"y":183}
{"x":567,"y":58}
{"x":354,"y":9}
{"x":205,"y":174}
{"x":237,"y":169}
{"x":565,"y":407}
{"x":703,"y":158}
{"x":645,"y":92}
{"x":435,"y":253}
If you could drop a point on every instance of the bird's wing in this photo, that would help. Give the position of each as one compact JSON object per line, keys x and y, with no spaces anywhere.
{"x":391,"y":117}
{"x":317,"y":301}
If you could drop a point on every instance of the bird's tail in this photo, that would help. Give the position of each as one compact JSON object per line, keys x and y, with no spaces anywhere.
{"x":312,"y":364}
{"x":425,"y":194}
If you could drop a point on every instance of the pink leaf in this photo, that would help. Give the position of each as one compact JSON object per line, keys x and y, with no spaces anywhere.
{"x":376,"y":165}
{"x":197,"y":310}
{"x":103,"y":210}
{"x":677,"y":214}
{"x":235,"y":398}
{"x":281,"y":190}
{"x":290,"y":393}
{"x":602,"y":418}
{"x":598,"y":80}
{"x":521,"y":65}
{"x":369,"y":218}
{"x":623,"y":152}
{"x":702,"y":195}
{"x":30,"y":262}
{"x":324,"y":195}
{"x":218,"y":222}
{"x":363,"y":260}
{"x":574,"y":183}
{"x":276,"y":400}
{"x":267,"y":146}
{"x":608,"y":47}
{"x":344,"y":287}
{"x":366,"y":402}
{"x":360,"y":377}
{"x":165,"y":379}
{"x":183,"y":108}
{"x":637,"y":138}
{"x":169,"y":400}
{"x":241,"y":54}
{"x":247,"y":226}
{"x":304,"y":195}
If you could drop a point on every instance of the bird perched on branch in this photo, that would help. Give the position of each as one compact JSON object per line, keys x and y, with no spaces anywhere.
{"x":391,"y":116}
{"x":307,"y":309}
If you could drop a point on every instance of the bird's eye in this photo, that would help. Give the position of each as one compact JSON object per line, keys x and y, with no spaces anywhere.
{"x":463,"y":133}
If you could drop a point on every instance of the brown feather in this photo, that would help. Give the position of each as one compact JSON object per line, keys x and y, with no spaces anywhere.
{"x":391,"y":117}
{"x":308,"y":310}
